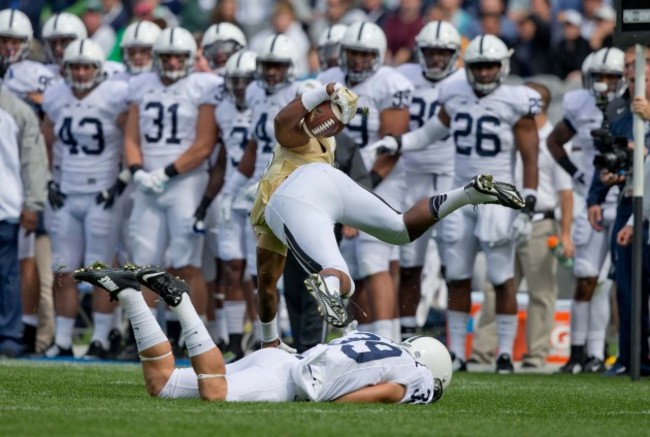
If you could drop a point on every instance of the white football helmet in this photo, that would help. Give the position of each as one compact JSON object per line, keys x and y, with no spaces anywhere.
{"x":239,"y":73}
{"x":276,"y":49}
{"x":487,"y":49}
{"x":606,"y":62}
{"x":15,"y":24}
{"x":433,"y":354}
{"x":219,"y":42}
{"x":329,"y":46}
{"x":584,"y":69}
{"x":65,"y":27}
{"x":83,"y":51}
{"x":174,"y":40}
{"x":362,"y":36}
{"x":442,"y":36}
{"x":141,"y":34}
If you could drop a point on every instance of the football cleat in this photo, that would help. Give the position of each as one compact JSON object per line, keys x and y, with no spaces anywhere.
{"x":109,"y":279}
{"x":457,"y":365}
{"x":164,"y":284}
{"x":330,"y":306}
{"x":593,"y":365}
{"x":96,"y":351}
{"x":115,"y":340}
{"x":504,"y":365}
{"x":483,"y":189}
{"x":56,"y":351}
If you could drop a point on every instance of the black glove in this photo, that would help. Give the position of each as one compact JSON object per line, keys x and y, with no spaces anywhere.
{"x":107,"y":197}
{"x":199,"y":215}
{"x":54,"y":195}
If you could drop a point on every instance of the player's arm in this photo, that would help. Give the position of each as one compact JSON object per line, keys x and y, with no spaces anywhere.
{"x":247,"y":164}
{"x":121,"y":120}
{"x":206,"y":138}
{"x":562,"y":134}
{"x":393,"y":122}
{"x":527,"y":142}
{"x":217,"y":175}
{"x":132,"y":152}
{"x":388,"y":392}
{"x":47,"y":129}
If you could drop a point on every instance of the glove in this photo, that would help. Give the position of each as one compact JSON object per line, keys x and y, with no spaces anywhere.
{"x":199,"y":215}
{"x":346,"y":100}
{"x":159,"y":180}
{"x":107,"y":197}
{"x":145,"y":183}
{"x":224,"y":210}
{"x":54,"y":195}
{"x":522,"y":228}
{"x":388,"y":145}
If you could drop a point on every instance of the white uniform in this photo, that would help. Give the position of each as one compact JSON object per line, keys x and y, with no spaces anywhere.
{"x":482,"y":131}
{"x":90,"y":143}
{"x":236,"y":239}
{"x":429,"y":171}
{"x":385,"y":89}
{"x":582,"y":115}
{"x":168,"y":126}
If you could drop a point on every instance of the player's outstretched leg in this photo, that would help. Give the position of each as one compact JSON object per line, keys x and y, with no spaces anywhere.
{"x":484,"y":189}
{"x":330,"y":304}
{"x":205,"y":357}
{"x":153,"y":346}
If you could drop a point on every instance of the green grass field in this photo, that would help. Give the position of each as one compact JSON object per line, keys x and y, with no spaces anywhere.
{"x":77,"y":399}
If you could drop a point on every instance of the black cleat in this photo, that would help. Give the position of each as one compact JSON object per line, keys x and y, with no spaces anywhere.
{"x":115,"y":340}
{"x":96,"y":351}
{"x":457,"y":365}
{"x":593,"y":365}
{"x":504,"y":365}
{"x":109,"y":279}
{"x":576,"y":361}
{"x":483,"y":189}
{"x":164,"y":284}
{"x":56,"y":351}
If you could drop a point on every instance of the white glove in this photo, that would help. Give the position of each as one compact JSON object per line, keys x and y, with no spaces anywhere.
{"x":389,"y":145}
{"x":224,"y":210}
{"x":144,"y":182}
{"x":522,"y":228}
{"x":346,"y":100}
{"x":159,"y":180}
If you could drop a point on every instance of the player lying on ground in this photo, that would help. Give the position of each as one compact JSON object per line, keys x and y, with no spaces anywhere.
{"x":301,"y":197}
{"x":359,"y":367}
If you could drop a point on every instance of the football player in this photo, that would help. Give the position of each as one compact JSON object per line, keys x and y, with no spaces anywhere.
{"x":220,"y":41}
{"x":137,"y":46}
{"x":358,"y":367}
{"x":387,"y":95}
{"x":329,"y":46}
{"x":589,"y":310}
{"x":489,"y":122}
{"x":170,"y":133}
{"x":86,"y":115}
{"x":428,"y":171}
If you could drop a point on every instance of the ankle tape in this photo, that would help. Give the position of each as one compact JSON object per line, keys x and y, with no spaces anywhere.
{"x":209,"y":375}
{"x":143,"y":359}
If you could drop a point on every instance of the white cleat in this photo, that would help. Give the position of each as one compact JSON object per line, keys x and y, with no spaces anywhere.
{"x":483,"y":189}
{"x":330,"y":306}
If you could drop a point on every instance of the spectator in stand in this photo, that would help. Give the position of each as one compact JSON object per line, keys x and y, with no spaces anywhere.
{"x":101,"y":33}
{"x":375,"y":10}
{"x":400,"y":27}
{"x":151,"y":10}
{"x":115,"y":14}
{"x":334,"y":12}
{"x":603,"y":34}
{"x":530,"y":57}
{"x":450,"y":10}
{"x":225,"y":12}
{"x":253,"y":15}
{"x":492,"y":21}
{"x":568,"y":56}
{"x":589,"y":21}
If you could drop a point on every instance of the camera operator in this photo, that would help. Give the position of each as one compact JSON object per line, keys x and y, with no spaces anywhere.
{"x":610,"y":175}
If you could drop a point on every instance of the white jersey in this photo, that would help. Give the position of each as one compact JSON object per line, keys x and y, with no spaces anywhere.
{"x":168,"y":114}
{"x":386,"y":89}
{"x":358,"y":360}
{"x":27,"y":77}
{"x":438,"y":157}
{"x":264,"y":108}
{"x":481,"y":127}
{"x":88,"y":138}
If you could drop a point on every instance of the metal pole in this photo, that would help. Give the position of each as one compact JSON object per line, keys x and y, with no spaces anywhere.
{"x":637,"y":243}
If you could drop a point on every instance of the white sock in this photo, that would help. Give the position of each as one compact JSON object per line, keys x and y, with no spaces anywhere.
{"x":333,"y":284}
{"x":383,"y":328}
{"x":30,"y":319}
{"x":235,"y":311}
{"x":63,"y":336}
{"x":457,"y":326}
{"x":397,"y":331}
{"x":146,"y":330}
{"x":270,"y":330}
{"x":102,"y":324}
{"x":222,"y":324}
{"x":598,"y":321}
{"x":364,"y":327}
{"x":197,"y":338}
{"x":579,"y":322}
{"x":506,"y":331}
{"x":441,"y":205}
{"x":117,"y":318}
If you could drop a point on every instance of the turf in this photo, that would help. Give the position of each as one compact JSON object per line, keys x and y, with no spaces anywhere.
{"x":77,"y":399}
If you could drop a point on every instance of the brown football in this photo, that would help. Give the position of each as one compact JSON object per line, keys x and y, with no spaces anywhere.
{"x":323,"y":120}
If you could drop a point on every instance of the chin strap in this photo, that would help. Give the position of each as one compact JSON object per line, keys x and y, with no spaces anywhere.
{"x":209,"y":375}
{"x":158,"y":358}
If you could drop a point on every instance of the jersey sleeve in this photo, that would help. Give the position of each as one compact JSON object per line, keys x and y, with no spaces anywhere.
{"x":137,"y":87}
{"x":118,"y":97}
{"x":570,"y":110}
{"x":530,"y":102}
{"x":210,"y":88}
{"x":397,"y":92}
{"x":51,"y":100}
{"x":32,"y":78}
{"x":418,"y":384}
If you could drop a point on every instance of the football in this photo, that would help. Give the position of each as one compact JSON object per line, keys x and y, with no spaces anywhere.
{"x":324,"y":120}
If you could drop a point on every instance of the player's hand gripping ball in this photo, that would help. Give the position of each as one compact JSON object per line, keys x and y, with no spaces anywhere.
{"x":330,"y":117}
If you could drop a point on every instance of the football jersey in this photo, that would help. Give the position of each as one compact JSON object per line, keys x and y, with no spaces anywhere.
{"x":27,"y":77}
{"x":481,"y":127}
{"x":358,"y":360}
{"x":168,"y":114}
{"x":386,"y":89}
{"x":438,"y":157}
{"x":88,"y":140}
{"x":264,"y":108}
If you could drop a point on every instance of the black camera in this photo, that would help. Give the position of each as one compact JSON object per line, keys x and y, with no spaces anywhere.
{"x":613,"y":154}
